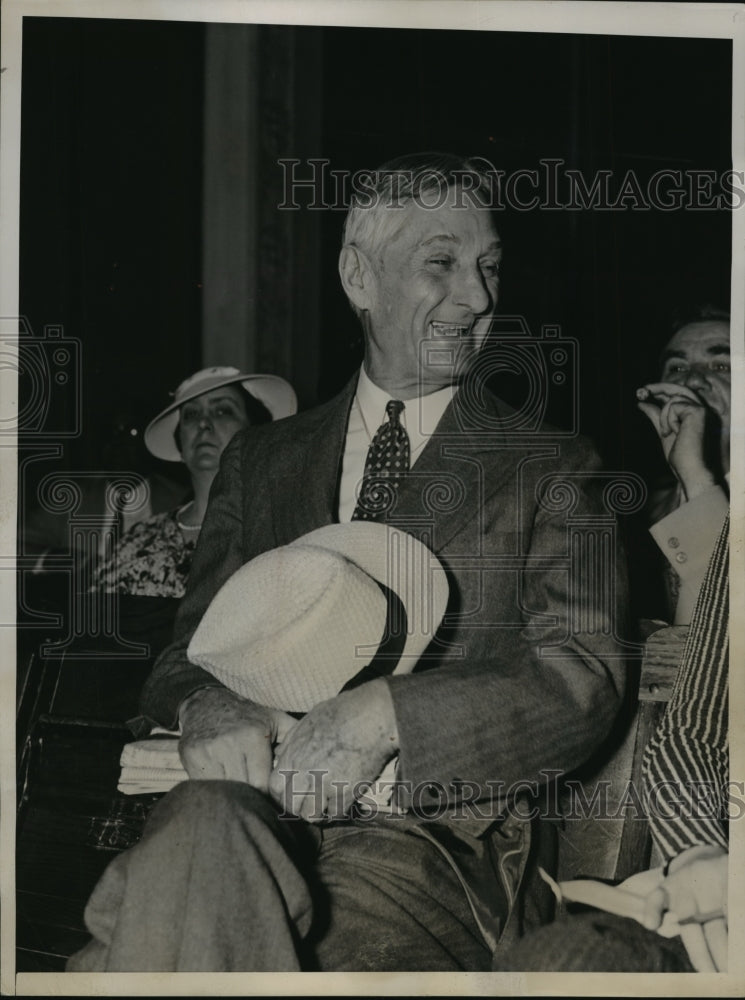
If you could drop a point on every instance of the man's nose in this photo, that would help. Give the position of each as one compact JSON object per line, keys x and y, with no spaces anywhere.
{"x":472,"y":293}
{"x":205,"y":422}
{"x":695,"y":379}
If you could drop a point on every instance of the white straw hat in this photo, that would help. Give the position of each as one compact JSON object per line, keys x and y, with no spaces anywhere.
{"x":274,"y":392}
{"x":295,"y":625}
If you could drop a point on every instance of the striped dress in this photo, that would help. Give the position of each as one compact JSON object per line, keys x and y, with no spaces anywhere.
{"x":686,"y":764}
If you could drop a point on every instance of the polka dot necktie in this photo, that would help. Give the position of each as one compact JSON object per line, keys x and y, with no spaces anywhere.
{"x":387,"y":461}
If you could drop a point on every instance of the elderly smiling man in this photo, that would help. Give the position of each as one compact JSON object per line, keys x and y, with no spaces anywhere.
{"x":265,"y":860}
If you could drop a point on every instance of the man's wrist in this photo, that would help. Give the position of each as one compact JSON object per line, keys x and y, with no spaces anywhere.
{"x":695,"y":484}
{"x":193,"y":696}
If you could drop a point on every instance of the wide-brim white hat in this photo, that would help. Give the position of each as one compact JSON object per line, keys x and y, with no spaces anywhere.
{"x":299,"y":623}
{"x":274,"y":392}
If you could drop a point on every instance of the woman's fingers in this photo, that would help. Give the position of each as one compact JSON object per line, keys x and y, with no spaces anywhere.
{"x":715,"y":934}
{"x":692,"y":936}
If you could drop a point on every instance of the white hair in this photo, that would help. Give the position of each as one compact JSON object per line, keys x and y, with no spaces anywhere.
{"x":428,"y":179}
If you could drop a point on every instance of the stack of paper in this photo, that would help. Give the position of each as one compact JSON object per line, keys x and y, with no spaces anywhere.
{"x":151,"y":765}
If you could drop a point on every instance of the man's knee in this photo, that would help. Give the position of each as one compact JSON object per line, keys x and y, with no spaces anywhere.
{"x":195,"y":804}
{"x":215,"y":794}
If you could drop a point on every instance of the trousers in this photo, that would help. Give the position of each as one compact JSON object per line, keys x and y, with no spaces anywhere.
{"x":220,"y":882}
{"x":593,"y":941}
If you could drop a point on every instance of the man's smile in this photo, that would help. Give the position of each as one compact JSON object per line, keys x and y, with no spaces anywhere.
{"x":440,"y":329}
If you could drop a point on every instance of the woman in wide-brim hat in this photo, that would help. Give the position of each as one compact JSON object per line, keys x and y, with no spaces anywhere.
{"x":153,"y":558}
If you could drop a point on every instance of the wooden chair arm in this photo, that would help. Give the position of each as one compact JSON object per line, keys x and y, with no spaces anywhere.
{"x":662,"y":655}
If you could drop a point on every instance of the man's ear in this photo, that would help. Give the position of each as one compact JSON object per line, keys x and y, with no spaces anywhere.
{"x":357,"y":276}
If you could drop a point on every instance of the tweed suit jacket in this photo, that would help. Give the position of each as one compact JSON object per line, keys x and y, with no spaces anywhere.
{"x":526,"y":675}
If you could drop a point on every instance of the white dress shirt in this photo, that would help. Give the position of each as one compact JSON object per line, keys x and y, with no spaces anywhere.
{"x":420,"y":417}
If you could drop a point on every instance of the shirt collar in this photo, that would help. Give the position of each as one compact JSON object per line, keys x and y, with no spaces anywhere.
{"x":421,"y":414}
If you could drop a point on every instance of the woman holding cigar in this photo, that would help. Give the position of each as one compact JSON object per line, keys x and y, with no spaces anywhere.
{"x":689,"y":409}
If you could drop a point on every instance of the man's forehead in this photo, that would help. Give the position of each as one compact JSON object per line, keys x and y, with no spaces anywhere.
{"x":420,"y":225}
{"x":493,"y":241}
{"x":709,"y":336}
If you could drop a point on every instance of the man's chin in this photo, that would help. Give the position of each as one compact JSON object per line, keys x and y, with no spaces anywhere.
{"x":445,"y":361}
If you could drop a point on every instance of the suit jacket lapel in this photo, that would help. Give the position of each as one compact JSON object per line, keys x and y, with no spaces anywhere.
{"x":459,"y":468}
{"x":306,"y":497}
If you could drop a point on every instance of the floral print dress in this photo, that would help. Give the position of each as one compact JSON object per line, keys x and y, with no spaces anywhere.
{"x":152,"y":559}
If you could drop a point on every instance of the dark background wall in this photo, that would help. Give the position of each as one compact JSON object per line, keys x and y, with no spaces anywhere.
{"x":609,"y":279}
{"x":110,"y":207}
{"x":112,"y":230}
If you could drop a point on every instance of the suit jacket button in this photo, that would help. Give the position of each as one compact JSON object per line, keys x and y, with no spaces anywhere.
{"x":680,"y":557}
{"x":673,"y":542}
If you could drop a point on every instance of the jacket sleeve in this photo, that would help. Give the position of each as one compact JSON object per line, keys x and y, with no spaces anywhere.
{"x":535,"y":693}
{"x":686,"y":537}
{"x":218,"y":555}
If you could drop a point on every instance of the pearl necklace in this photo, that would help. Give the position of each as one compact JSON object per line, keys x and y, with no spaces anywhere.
{"x":180,"y":523}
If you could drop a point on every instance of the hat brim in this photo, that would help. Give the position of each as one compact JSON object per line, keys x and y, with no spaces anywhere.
{"x":400,"y":562}
{"x":274,"y":392}
{"x":223,"y":642}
